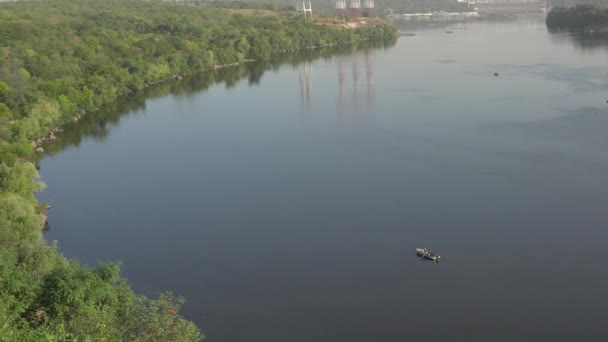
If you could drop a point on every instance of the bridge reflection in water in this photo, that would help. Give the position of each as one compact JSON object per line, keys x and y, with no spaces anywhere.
{"x":357,"y":99}
{"x":305,"y":80}
{"x":356,"y":85}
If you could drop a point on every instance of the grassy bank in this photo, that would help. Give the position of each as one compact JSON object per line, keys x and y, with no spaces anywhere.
{"x":61,"y":59}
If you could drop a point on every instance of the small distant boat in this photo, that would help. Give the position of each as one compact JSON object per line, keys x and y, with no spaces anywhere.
{"x":426,"y":254}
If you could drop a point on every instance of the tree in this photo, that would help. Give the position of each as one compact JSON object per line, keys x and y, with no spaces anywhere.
{"x":4,"y":91}
{"x":20,"y":178}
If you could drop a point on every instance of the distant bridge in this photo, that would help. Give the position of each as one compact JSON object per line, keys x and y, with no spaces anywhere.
{"x":511,"y":6}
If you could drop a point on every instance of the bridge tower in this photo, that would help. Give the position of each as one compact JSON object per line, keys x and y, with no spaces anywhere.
{"x":340,"y":8}
{"x":355,"y":8}
{"x":304,"y":6}
{"x":369,"y":7}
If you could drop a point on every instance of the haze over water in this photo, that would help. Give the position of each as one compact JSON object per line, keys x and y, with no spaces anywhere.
{"x":289,"y":208}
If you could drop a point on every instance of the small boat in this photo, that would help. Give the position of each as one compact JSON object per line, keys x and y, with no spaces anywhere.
{"x":425,"y":254}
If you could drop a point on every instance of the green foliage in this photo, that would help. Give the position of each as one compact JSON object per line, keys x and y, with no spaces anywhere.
{"x":578,"y":18}
{"x":45,"y":112}
{"x":24,"y":73}
{"x":161,"y":322}
{"x":17,"y":293}
{"x":5,"y":90}
{"x":9,"y":154}
{"x":21,"y":178}
{"x":19,"y":221}
{"x":5,"y":112}
{"x":26,"y":130}
{"x":66,"y":107}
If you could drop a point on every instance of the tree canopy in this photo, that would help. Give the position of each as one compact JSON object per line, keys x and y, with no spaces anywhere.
{"x":578,"y":17}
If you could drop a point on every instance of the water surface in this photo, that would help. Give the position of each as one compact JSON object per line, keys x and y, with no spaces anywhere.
{"x":285,"y":201}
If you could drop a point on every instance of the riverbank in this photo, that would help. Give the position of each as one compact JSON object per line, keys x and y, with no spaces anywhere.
{"x":582,"y":17}
{"x":61,"y":60}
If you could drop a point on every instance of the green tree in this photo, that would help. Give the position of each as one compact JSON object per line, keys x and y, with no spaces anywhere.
{"x":22,"y":179}
{"x":4,"y":91}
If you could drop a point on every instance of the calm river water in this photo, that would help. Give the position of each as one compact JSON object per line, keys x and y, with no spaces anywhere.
{"x":285,"y":201}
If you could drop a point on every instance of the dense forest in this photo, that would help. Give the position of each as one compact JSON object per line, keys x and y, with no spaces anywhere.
{"x":61,"y":59}
{"x":579,"y":17}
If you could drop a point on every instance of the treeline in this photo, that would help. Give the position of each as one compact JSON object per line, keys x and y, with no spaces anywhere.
{"x":579,"y":17}
{"x":62,"y":58}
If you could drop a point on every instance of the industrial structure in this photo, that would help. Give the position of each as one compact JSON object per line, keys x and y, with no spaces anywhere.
{"x":355,"y":9}
{"x":304,"y":7}
{"x":486,"y":7}
{"x":341,"y":8}
{"x":369,"y":8}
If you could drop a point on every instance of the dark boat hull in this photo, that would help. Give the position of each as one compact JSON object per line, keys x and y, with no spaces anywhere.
{"x":425,"y":254}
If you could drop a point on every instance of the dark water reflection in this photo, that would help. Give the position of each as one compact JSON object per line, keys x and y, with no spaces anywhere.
{"x":584,"y":41}
{"x":99,"y":125}
{"x":285,"y":200}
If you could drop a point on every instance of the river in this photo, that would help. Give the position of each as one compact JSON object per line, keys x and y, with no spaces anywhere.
{"x":285,"y":201}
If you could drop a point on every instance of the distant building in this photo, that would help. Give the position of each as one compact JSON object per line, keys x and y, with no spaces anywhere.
{"x":493,"y":7}
{"x":568,"y":3}
{"x":442,"y":16}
